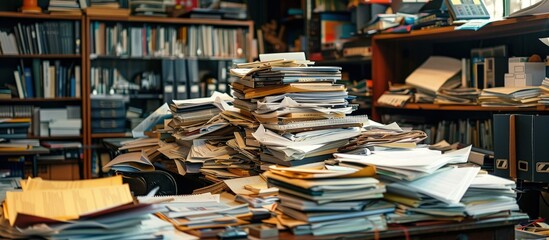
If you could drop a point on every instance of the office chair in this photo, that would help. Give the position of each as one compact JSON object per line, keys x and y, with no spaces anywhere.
{"x":142,"y":183}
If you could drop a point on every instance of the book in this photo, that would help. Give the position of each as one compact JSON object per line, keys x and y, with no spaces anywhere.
{"x":435,"y":73}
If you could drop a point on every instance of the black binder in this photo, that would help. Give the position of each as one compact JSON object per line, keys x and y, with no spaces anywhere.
{"x":532,"y":148}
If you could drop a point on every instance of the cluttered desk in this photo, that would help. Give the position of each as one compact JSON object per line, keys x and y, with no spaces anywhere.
{"x":294,"y":165}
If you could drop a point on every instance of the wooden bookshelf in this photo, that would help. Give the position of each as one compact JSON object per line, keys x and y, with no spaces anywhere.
{"x":40,"y":100}
{"x":464,"y":108}
{"x":395,"y":56}
{"x":44,"y":56}
{"x":151,"y":61}
{"x":37,"y":44}
{"x":111,"y":135}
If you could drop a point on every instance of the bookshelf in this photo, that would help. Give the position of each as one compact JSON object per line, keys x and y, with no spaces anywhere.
{"x":395,"y":56}
{"x":42,"y":64}
{"x":178,"y":57}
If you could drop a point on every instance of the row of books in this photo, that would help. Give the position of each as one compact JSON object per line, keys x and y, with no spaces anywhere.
{"x":51,"y":37}
{"x":166,"y":41}
{"x":47,"y":79}
{"x":476,"y":132}
{"x":112,"y":81}
{"x":16,"y":111}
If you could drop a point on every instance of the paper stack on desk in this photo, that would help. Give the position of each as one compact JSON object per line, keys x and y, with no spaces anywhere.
{"x":322,"y":200}
{"x":95,"y":208}
{"x":302,"y":111}
{"x":510,"y":96}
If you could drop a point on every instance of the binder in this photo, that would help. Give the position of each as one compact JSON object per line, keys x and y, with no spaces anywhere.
{"x":494,"y":71}
{"x":193,"y":79}
{"x":501,"y":145}
{"x":181,"y":79}
{"x":531,"y":148}
{"x":168,"y":79}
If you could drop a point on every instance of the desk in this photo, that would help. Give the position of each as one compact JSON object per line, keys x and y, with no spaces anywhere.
{"x":34,"y":152}
{"x":486,"y":229}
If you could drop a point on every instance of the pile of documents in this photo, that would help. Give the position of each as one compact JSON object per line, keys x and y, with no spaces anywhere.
{"x":138,"y":156}
{"x":199,"y":117}
{"x":427,"y":185}
{"x":319,"y":200}
{"x":544,"y":97}
{"x":375,"y":134}
{"x":201,"y":214}
{"x":207,"y":134}
{"x":462,"y":96}
{"x":78,"y":210}
{"x":302,"y":112}
{"x":527,"y":96}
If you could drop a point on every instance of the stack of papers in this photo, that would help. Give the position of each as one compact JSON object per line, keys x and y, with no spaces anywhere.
{"x":77,"y":209}
{"x":316,"y":195}
{"x":405,"y":164}
{"x":296,"y":105}
{"x":489,"y":194}
{"x":462,"y":96}
{"x":384,"y":137}
{"x":510,"y":96}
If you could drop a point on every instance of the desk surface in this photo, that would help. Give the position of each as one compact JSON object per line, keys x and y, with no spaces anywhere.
{"x":485,"y":229}
{"x":33,"y":151}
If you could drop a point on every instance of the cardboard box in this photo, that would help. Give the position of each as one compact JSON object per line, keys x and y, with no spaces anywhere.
{"x":536,"y":69}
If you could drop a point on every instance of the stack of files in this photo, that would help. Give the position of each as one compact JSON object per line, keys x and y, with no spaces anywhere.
{"x":375,"y":134}
{"x":488,"y":195}
{"x":462,"y":96}
{"x":15,"y":128}
{"x":207,"y":153}
{"x":64,"y":6}
{"x":142,"y":154}
{"x":130,"y":162}
{"x":544,"y":96}
{"x":293,"y":149}
{"x":204,"y":211}
{"x":433,"y":197}
{"x":319,"y":196}
{"x":273,"y":88}
{"x":245,"y":151}
{"x":204,"y":128}
{"x":151,"y":7}
{"x":404,"y":164}
{"x":106,"y":7}
{"x":253,"y":191}
{"x":108,"y":113}
{"x":294,"y":102}
{"x":527,"y":96}
{"x":199,"y":117}
{"x":108,"y":213}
